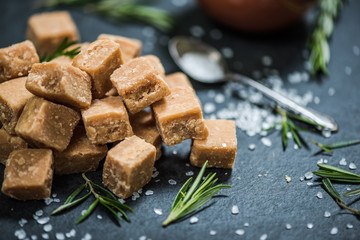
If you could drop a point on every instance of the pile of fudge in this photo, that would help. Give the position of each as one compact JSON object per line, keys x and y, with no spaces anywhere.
{"x":66,"y":115}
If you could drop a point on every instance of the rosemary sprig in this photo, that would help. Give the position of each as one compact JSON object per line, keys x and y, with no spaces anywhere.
{"x":61,"y":51}
{"x":123,"y":10}
{"x":108,"y":200}
{"x":190,"y":199}
{"x":329,"y":147}
{"x":330,"y":173}
{"x":318,"y":43}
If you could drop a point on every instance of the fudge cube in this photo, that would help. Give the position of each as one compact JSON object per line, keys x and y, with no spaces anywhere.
{"x":28,"y":174}
{"x":139,"y":83}
{"x":130,"y":47}
{"x":13,"y":97}
{"x":67,"y":59}
{"x":179,"y":117}
{"x":60,"y":83}
{"x":48,"y":30}
{"x":178,"y":79}
{"x":99,"y":60}
{"x":156,"y":64}
{"x":80,"y":156}
{"x":112,"y":92}
{"x":16,"y":60}
{"x":47,"y":125}
{"x":9,"y":143}
{"x":129,"y":166}
{"x":106,"y":121}
{"x":219,"y":148}
{"x":143,"y":125}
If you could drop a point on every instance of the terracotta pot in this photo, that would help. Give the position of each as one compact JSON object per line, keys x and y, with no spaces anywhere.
{"x":256,"y":15}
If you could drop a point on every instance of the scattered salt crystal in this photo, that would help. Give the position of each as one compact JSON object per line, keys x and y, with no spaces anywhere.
{"x":194,"y":220}
{"x":59,"y":236}
{"x":343,"y":162}
{"x":349,"y":226}
{"x":235,"y":210}
{"x":142,"y":238}
{"x":212,"y":232}
{"x":301,"y":178}
{"x":158,"y":211}
{"x":22,"y":222}
{"x":157,"y":180}
{"x":310,"y":225}
{"x":54,"y":195}
{"x":331,"y":91}
{"x":266,"y":141}
{"x":72,"y":233}
{"x":348,"y":189}
{"x":209,"y":107}
{"x":216,"y":34}
{"x":296,"y":147}
{"x":155,"y":174}
{"x":320,"y":161}
{"x":319,"y":195}
{"x":334,"y":231}
{"x":325,"y":161}
{"x":211,"y":93}
{"x":136,"y":194}
{"x":316,"y":100}
{"x":20,"y":234}
{"x":34,"y":237}
{"x":189,"y":173}
{"x":287,"y":178}
{"x":219,"y":98}
{"x":223,"y":144}
{"x":57,"y":200}
{"x":348,"y":70}
{"x":240,"y":232}
{"x":327,"y":214}
{"x":174,"y":152}
{"x":45,"y":236}
{"x":149,"y":192}
{"x":39,"y":213}
{"x":246,"y":224}
{"x":197,"y":31}
{"x":148,"y":31}
{"x":179,"y":3}
{"x":326,"y":133}
{"x":35,"y":217}
{"x":227,"y":52}
{"x":356,"y":50}
{"x":288,"y":226}
{"x":309,"y":175}
{"x":43,"y":220}
{"x":48,"y":201}
{"x":251,"y":146}
{"x":266,"y":60}
{"x":99,"y":216}
{"x":263,"y":237}
{"x":87,"y":237}
{"x":352,"y":166}
{"x":140,"y":191}
{"x":121,"y":200}
{"x":48,"y":228}
{"x":83,"y":212}
{"x":172,"y":182}
{"x":309,"y":183}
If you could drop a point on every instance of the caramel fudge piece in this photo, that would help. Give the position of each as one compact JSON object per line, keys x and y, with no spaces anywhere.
{"x":16,"y":60}
{"x":48,"y":30}
{"x":66,"y":59}
{"x":13,"y":97}
{"x":139,"y":83}
{"x":46,"y":124}
{"x":143,"y":125}
{"x":179,"y":117}
{"x":28,"y":174}
{"x":112,"y":93}
{"x":60,"y":83}
{"x":99,"y":60}
{"x":130,"y":47}
{"x":156,"y":64}
{"x":80,"y":156}
{"x":128,"y":166}
{"x":9,"y":143}
{"x":219,"y":148}
{"x":178,"y":79}
{"x":106,"y":121}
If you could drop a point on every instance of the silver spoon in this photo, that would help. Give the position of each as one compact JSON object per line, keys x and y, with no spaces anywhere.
{"x":205,"y":64}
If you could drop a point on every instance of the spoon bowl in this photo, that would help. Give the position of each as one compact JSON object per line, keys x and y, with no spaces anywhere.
{"x":205,"y":64}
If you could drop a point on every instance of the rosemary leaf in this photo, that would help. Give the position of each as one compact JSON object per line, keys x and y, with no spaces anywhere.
{"x":342,"y":144}
{"x":88,"y":212}
{"x":328,"y":167}
{"x":181,"y":193}
{"x":61,"y":51}
{"x":70,"y":204}
{"x":118,"y":204}
{"x":104,"y":190}
{"x":322,"y":146}
{"x":331,"y":190}
{"x":111,"y":210}
{"x":352,"y":193}
{"x":74,"y":194}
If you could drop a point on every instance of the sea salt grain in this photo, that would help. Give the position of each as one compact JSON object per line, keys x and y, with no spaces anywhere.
{"x":43,"y":220}
{"x":349,"y":226}
{"x":316,"y":100}
{"x":197,"y":31}
{"x":227,"y":52}
{"x":99,"y":216}
{"x":87,"y":237}
{"x":45,"y":236}
{"x":246,"y":224}
{"x":34,"y":237}
{"x":60,"y":236}
{"x":39,"y":213}
{"x":288,"y":226}
{"x":172,"y":182}
{"x":352,"y":166}
{"x":240,"y":232}
{"x":194,"y":220}
{"x":219,"y":98}
{"x":251,"y":146}
{"x":212,"y":232}
{"x":47,"y":228}
{"x":356,"y":50}
{"x":348,"y":70}
{"x":209,"y":108}
{"x":48,"y":201}
{"x":327,"y":214}
{"x":309,"y":183}
{"x":20,"y":234}
{"x":266,"y":141}
{"x":343,"y":162}
{"x":334,"y":231}
{"x":158,"y":211}
{"x":235,"y":210}
{"x":266,"y":61}
{"x":319,"y":195}
{"x":310,"y":225}
{"x":149,"y":192}
{"x":179,"y":3}
{"x":331,"y":91}
{"x":309,"y":175}
{"x":263,"y":237}
{"x":189,"y":173}
{"x":72,"y":233}
{"x":22,"y":222}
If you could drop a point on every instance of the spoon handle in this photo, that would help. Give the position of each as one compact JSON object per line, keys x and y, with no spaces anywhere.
{"x":319,"y":118}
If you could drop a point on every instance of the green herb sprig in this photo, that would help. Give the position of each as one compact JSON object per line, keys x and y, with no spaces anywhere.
{"x":62,"y":51}
{"x":123,"y":10}
{"x":330,"y":173}
{"x":329,"y":147}
{"x":318,"y":42}
{"x":108,"y":200}
{"x":189,"y":199}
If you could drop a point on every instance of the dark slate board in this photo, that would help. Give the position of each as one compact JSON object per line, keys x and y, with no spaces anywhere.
{"x":268,"y":203}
